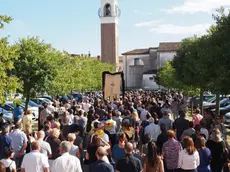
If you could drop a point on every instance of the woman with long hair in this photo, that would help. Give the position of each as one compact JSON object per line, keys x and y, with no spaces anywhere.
{"x":137,"y":122}
{"x":54,"y":142}
{"x":153,"y":162}
{"x":217,"y":147}
{"x":189,"y":158}
{"x":205,"y":155}
{"x":92,"y":149}
{"x":128,"y":130}
{"x":118,"y":150}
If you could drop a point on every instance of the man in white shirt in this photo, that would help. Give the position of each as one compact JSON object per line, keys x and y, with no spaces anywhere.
{"x":153,"y":129}
{"x":44,"y":146}
{"x":86,"y":105}
{"x":143,"y":113}
{"x":66,"y":162}
{"x":35,"y":161}
{"x":50,"y":107}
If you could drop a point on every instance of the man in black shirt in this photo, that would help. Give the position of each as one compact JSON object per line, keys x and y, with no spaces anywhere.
{"x":129,"y":163}
{"x":162,"y":138}
{"x":180,"y":125}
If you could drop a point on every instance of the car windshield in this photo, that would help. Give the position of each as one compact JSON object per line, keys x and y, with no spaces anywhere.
{"x":224,"y":100}
{"x":11,"y":105}
{"x":23,"y":105}
{"x":45,"y":100}
{"x":211,"y":100}
{"x":3,"y":110}
{"x":33,"y":104}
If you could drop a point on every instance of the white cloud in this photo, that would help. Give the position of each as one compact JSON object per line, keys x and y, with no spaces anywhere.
{"x":135,"y":11}
{"x":148,"y":23}
{"x":198,"y":29}
{"x":194,"y":6}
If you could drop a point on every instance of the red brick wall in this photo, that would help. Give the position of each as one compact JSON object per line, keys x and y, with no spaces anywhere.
{"x":109,"y":43}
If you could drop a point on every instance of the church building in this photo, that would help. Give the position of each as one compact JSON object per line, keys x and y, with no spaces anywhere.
{"x":141,"y":65}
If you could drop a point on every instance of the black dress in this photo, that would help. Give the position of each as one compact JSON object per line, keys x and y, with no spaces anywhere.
{"x":218,"y":155}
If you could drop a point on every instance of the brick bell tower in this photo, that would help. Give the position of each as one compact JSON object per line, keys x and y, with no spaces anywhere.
{"x":109,"y":14}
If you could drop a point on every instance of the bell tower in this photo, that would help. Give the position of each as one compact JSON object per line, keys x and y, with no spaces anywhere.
{"x":109,"y":14}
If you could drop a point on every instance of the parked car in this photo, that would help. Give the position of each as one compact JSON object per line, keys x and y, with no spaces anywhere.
{"x":196,"y":100}
{"x":7,"y":115}
{"x":9,"y":106}
{"x":224,"y":102}
{"x":46,"y":97}
{"x":34,"y":110}
{"x":41,"y":101}
{"x":77,"y":96}
{"x":33,"y":104}
{"x":227,"y":118}
{"x":212,"y":100}
{"x":223,"y":110}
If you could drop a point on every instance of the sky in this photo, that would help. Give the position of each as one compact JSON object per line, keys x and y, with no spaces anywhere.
{"x":74,"y":25}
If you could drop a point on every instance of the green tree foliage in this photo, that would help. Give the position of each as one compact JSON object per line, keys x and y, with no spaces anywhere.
{"x":4,"y":19}
{"x":167,"y":78}
{"x":203,"y":62}
{"x":8,"y":54}
{"x":34,"y":67}
{"x":79,"y":73}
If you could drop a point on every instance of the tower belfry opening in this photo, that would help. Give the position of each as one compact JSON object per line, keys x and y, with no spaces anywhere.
{"x":107,"y":10}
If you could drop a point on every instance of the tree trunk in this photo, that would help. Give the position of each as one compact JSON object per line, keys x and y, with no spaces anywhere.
{"x":201,"y":100}
{"x":192,"y":105}
{"x":27,"y":101}
{"x":218,"y":104}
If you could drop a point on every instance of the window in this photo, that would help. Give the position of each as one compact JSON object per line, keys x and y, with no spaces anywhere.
{"x":137,"y":62}
{"x":151,"y":78}
{"x":107,"y":10}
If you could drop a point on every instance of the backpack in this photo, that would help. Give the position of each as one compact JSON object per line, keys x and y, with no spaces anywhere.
{"x":8,"y":168}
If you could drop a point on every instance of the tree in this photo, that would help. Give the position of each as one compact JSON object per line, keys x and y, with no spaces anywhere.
{"x":191,"y":66}
{"x":34,"y":66}
{"x":8,"y":54}
{"x":9,"y":83}
{"x":167,"y":78}
{"x":219,"y":53}
{"x":80,"y":73}
{"x":4,"y":19}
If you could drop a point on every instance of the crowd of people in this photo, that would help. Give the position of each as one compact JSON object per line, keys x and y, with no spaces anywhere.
{"x":143,"y":131}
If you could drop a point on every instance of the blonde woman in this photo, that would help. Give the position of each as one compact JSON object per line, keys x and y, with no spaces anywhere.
{"x":27,"y":121}
{"x":136,"y":116}
{"x":74,"y":149}
{"x":54,"y":142}
{"x":136,"y":125}
{"x":217,"y":147}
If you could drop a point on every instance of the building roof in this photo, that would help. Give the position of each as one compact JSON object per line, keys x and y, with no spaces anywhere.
{"x":169,"y":46}
{"x":152,"y":71}
{"x":137,"y":52}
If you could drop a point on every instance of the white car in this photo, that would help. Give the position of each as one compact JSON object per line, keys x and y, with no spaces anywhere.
{"x":227,"y":118}
{"x":34,"y":110}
